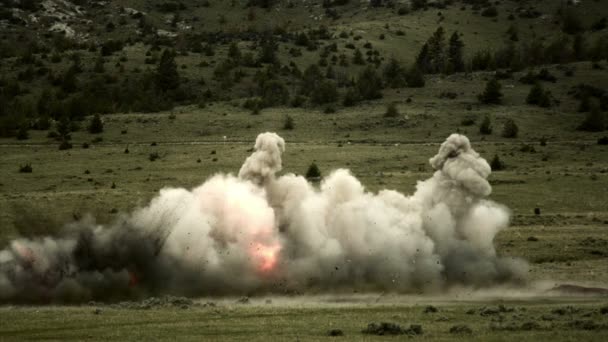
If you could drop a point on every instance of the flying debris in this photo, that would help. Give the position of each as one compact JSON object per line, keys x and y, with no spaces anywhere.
{"x":223,"y":237}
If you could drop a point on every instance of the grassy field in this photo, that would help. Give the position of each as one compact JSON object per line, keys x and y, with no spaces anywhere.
{"x":312,"y":318}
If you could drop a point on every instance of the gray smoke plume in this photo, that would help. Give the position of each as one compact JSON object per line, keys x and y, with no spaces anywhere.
{"x":261,"y":233}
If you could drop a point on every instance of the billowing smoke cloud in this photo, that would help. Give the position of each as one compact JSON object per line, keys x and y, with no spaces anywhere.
{"x":261,"y":233}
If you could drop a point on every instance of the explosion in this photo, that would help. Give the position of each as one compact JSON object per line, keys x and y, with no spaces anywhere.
{"x":257,"y":232}
{"x":266,"y":257}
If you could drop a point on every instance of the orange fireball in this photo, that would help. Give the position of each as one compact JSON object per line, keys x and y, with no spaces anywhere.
{"x":265,"y":256}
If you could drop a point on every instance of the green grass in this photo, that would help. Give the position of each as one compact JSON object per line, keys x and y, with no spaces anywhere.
{"x":301,"y":321}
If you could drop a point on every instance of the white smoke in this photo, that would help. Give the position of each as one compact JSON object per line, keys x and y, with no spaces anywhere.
{"x":259,"y":232}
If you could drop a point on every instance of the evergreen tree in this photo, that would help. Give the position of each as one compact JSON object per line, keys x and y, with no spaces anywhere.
{"x":594,"y":121}
{"x":496,"y":164}
{"x":234,"y":52}
{"x":535,"y":95}
{"x":369,"y":84}
{"x":268,"y":49}
{"x":394,"y":75}
{"x":423,"y":60}
{"x":415,"y":77}
{"x":455,"y":54}
{"x":325,"y":92}
{"x":96,"y":125}
{"x":485,"y":127}
{"x":491,"y":94}
{"x":313,"y":172}
{"x":167,"y":77}
{"x":437,"y":51}
{"x":358,"y":57}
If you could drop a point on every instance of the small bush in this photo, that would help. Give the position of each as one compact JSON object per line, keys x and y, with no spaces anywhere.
{"x":153,"y":156}
{"x":486,"y":126}
{"x":490,"y":12}
{"x":467,"y":122}
{"x":288,"y":124}
{"x":96,"y":125}
{"x":603,"y":140}
{"x":313,"y":173}
{"x":594,"y":121}
{"x":391,"y":111}
{"x":496,"y":164}
{"x":65,"y":145}
{"x":510,"y":129}
{"x":27,"y":168}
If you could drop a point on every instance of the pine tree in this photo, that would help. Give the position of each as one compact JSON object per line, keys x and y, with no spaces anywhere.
{"x":437,"y":51}
{"x":96,"y":125}
{"x":423,"y":59}
{"x":455,"y":54}
{"x":313,"y":172}
{"x":358,"y":58}
{"x":486,"y":126}
{"x":496,"y":164}
{"x":510,"y":129}
{"x":535,"y":95}
{"x":491,"y":94}
{"x":167,"y":76}
{"x":369,"y":84}
{"x":234,"y":52}
{"x":594,"y":121}
{"x":394,"y":75}
{"x":415,"y":77}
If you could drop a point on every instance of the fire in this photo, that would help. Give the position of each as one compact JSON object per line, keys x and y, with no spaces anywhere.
{"x":265,"y":257}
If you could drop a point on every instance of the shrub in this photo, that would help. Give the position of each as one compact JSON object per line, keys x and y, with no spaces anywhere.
{"x":391,"y":111}
{"x":490,"y":12}
{"x":289,"y":123}
{"x":313,"y":173}
{"x":486,"y":126}
{"x":594,"y":121}
{"x":22,"y":133}
{"x":27,"y":168}
{"x":96,"y":125}
{"x":369,"y":84}
{"x":351,"y":97}
{"x":467,"y":122}
{"x":492,"y":93}
{"x":603,"y":140}
{"x":415,"y":77}
{"x":153,"y":156}
{"x":496,"y":164}
{"x":65,"y":145}
{"x":510,"y":129}
{"x":538,"y":96}
{"x":325,"y":92}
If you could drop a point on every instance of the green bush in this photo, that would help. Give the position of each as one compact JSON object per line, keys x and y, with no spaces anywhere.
{"x":391,"y":111}
{"x":96,"y":125}
{"x":313,"y":173}
{"x":485,"y":127}
{"x":496,"y":164}
{"x":510,"y":129}
{"x":492,"y":93}
{"x":289,"y":123}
